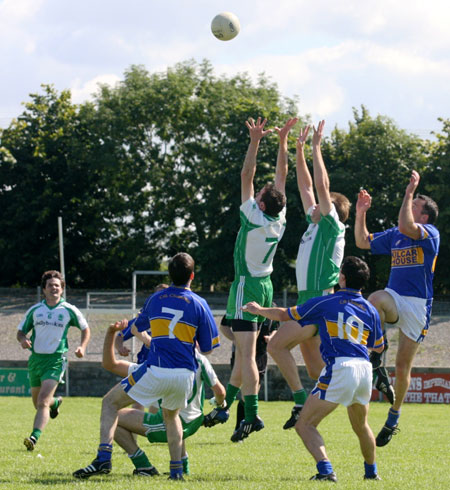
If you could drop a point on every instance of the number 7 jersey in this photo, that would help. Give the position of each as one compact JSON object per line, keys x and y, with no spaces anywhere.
{"x":348,"y":324}
{"x":257,"y":240}
{"x":177,"y":319}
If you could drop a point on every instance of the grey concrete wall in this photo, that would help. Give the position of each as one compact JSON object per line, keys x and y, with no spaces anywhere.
{"x":90,"y":379}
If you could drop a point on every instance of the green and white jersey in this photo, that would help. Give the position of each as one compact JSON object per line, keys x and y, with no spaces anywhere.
{"x":257,"y":240}
{"x":205,"y":374}
{"x":50,"y":325}
{"x":320,"y":253}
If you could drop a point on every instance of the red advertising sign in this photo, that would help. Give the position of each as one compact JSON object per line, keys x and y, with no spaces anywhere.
{"x":425,"y":388}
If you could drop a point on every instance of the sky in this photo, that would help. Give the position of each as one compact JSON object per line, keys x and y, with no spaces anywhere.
{"x":393,"y":57}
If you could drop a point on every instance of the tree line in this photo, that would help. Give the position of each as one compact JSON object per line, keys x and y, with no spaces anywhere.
{"x":152,"y":166}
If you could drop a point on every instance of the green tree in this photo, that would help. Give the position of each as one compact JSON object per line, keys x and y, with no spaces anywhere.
{"x":435,"y":184}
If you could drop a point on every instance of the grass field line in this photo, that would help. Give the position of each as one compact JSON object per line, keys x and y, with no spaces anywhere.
{"x":270,"y":459}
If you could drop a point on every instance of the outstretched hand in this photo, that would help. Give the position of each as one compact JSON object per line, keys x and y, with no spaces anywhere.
{"x":318,"y":133}
{"x":284,"y":131}
{"x":256,"y":129}
{"x":303,"y":135}
{"x":364,"y":201}
{"x":413,"y":182}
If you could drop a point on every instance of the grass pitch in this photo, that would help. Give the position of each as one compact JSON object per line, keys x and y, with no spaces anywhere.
{"x":270,"y":459}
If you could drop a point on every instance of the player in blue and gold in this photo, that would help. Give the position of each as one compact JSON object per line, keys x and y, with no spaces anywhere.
{"x":406,"y":302}
{"x":348,"y":325}
{"x":179,"y":320}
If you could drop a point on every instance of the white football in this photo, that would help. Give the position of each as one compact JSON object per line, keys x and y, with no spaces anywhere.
{"x":225,"y":26}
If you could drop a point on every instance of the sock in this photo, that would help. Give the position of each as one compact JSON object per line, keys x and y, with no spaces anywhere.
{"x":185,"y":461}
{"x":393,"y":416}
{"x":324,"y":467}
{"x":250,"y":407}
{"x":230,"y":396}
{"x":140,"y":460}
{"x":240,"y":414}
{"x":56,"y":404}
{"x":176,"y":468}
{"x":370,"y":469}
{"x":375,"y":359}
{"x":36,"y":433}
{"x":104,"y":452}
{"x":299,"y":397}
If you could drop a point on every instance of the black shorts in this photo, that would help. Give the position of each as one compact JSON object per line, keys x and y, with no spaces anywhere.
{"x":244,"y":326}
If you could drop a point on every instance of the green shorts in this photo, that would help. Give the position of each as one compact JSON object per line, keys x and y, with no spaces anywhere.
{"x":245,"y":289}
{"x":303,"y":296}
{"x":46,"y":366}
{"x":156,"y":429}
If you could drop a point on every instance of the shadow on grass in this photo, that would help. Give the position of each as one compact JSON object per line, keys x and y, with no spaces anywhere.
{"x":212,"y":443}
{"x":60,"y":478}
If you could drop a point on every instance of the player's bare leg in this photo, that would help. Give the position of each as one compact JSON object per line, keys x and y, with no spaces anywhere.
{"x":280,"y":348}
{"x":43,"y":398}
{"x":357,"y":414}
{"x":314,"y":411}
{"x":174,"y":431}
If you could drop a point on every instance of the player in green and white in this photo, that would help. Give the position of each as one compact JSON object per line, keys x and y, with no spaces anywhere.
{"x":49,"y":322}
{"x":151,"y":425}
{"x":263,"y":221}
{"x":319,"y":259}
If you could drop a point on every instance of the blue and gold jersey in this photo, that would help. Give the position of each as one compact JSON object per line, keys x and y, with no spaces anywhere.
{"x":348,"y":324}
{"x":177,"y":318}
{"x":412,"y":261}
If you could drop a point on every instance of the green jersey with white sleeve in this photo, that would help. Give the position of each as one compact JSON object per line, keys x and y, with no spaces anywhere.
{"x":257,"y":240}
{"x":50,"y":325}
{"x":320,"y":253}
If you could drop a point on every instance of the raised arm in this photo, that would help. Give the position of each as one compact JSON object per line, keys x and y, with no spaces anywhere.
{"x":257,"y":132}
{"x":304,"y":180}
{"x":406,"y":224}
{"x":109,"y":361}
{"x":282,"y":159}
{"x":321,"y":180}
{"x":361,"y":232}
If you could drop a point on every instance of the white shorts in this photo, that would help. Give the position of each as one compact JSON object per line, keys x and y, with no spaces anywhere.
{"x":413,"y":315}
{"x":347,"y":381}
{"x":148,"y":384}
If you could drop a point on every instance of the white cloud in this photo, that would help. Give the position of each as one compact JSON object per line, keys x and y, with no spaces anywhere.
{"x":13,"y":11}
{"x":84,"y":91}
{"x":390,"y":56}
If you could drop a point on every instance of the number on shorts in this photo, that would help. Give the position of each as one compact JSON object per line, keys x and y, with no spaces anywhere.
{"x":177,"y":315}
{"x":352,"y":321}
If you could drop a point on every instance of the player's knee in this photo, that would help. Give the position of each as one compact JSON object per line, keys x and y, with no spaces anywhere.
{"x":43,"y":402}
{"x":274,"y":347}
{"x":301,"y":427}
{"x":313,"y":371}
{"x":402,"y":369}
{"x":376,"y":299}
